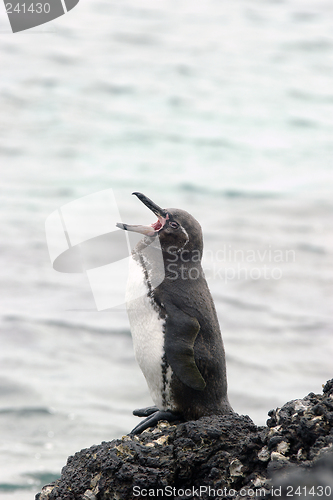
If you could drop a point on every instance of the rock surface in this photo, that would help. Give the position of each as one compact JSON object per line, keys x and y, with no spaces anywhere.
{"x":213,"y":457}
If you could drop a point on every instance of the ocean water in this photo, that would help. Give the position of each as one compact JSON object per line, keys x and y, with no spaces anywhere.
{"x":221,"y":108}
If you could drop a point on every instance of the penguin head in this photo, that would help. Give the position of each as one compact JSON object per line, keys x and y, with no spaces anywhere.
{"x":181,"y":231}
{"x":177,"y":229}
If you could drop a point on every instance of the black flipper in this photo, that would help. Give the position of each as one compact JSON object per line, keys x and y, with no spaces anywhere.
{"x":153,"y":420}
{"x":181,"y":331}
{"x":145,"y":412}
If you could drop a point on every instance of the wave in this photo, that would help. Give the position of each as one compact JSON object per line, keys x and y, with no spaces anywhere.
{"x":240,"y":304}
{"x":309,"y":247}
{"x":66,"y":324}
{"x":26,"y":411}
{"x":227,"y":193}
{"x":9,"y":487}
{"x":30,"y":481}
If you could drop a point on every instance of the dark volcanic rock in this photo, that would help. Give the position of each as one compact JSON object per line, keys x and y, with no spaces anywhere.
{"x":213,"y":457}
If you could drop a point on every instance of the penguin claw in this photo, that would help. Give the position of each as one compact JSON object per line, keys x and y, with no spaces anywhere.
{"x":145,"y":412}
{"x":153,"y":420}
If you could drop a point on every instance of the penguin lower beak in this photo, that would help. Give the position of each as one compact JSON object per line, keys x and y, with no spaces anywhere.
{"x":152,"y":229}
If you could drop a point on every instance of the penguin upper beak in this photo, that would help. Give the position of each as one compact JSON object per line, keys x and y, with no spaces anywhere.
{"x":152,"y":229}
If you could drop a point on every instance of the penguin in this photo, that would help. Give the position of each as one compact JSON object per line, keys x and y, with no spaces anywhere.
{"x":174,"y":326}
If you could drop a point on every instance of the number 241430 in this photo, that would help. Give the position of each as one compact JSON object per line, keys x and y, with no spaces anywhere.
{"x":32,"y":8}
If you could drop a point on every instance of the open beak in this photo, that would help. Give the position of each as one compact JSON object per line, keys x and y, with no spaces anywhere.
{"x":152,"y":229}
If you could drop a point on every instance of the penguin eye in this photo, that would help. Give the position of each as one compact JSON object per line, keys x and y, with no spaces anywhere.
{"x":174,"y":224}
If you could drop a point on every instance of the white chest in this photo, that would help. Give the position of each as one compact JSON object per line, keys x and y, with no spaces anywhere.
{"x":147,"y":331}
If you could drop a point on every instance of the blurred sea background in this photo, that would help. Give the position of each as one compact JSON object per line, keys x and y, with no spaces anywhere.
{"x":221,"y":108}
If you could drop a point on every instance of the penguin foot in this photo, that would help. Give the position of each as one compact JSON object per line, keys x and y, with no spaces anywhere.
{"x":153,"y":420}
{"x":145,"y":412}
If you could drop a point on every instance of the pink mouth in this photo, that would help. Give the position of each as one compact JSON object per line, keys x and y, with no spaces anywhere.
{"x":157,"y":226}
{"x":159,"y":223}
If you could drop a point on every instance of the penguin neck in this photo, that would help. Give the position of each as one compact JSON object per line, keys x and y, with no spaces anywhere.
{"x":183,"y":257}
{"x":149,"y":256}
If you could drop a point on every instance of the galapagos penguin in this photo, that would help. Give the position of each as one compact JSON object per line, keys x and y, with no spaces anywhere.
{"x":175,"y":330}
